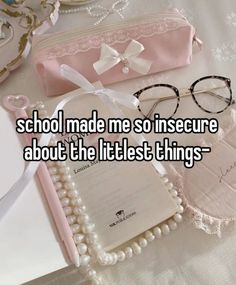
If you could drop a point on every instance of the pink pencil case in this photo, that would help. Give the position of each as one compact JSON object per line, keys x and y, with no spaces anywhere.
{"x":133,"y":48}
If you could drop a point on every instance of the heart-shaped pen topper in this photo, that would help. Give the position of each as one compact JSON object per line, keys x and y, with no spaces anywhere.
{"x":16,"y":102}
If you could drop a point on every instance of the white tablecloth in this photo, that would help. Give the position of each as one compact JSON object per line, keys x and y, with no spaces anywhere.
{"x":28,"y":243}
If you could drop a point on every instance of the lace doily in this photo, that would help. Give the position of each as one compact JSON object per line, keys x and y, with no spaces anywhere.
{"x":202,"y":219}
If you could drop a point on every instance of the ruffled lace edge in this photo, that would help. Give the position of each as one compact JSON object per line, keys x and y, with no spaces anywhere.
{"x":94,"y":41}
{"x":201,"y":220}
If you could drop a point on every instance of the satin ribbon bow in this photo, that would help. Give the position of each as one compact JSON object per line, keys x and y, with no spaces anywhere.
{"x":102,"y":13}
{"x":108,"y":95}
{"x":130,"y":59}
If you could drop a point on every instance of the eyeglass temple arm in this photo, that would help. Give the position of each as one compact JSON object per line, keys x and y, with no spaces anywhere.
{"x":185,"y":95}
{"x":209,"y":91}
{"x":226,"y":100}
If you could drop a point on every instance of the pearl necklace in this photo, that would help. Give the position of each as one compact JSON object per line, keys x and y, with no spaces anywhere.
{"x":99,"y":11}
{"x":84,"y":236}
{"x":83,"y":8}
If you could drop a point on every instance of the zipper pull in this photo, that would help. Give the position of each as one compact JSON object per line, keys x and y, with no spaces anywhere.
{"x":198,"y":42}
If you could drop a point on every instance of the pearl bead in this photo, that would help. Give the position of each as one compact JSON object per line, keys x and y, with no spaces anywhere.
{"x":170,"y":186}
{"x":102,"y":259}
{"x":83,"y":208}
{"x":55,"y":178}
{"x":125,"y":70}
{"x":149,"y":236}
{"x":58,"y":185}
{"x":180,"y":209}
{"x":72,"y":11}
{"x":72,"y":193}
{"x":143,"y":242}
{"x":52,"y":170}
{"x":75,"y":228}
{"x":40,"y":105}
{"x":227,"y":223}
{"x":82,"y":248}
{"x":165,"y":229}
{"x":64,"y":170}
{"x":61,"y":163}
{"x":61,"y":193}
{"x":76,"y":202}
{"x":97,"y":281}
{"x":66,"y":178}
{"x":165,"y":179}
{"x":88,"y":241}
{"x":173,"y":193}
{"x":88,"y":228}
{"x":78,"y":238}
{"x":69,"y":185}
{"x":90,"y":251}
{"x":84,"y":218}
{"x":120,"y":255}
{"x":178,"y":200}
{"x":92,"y":238}
{"x":93,"y":235}
{"x":128,"y":252}
{"x":114,"y":258}
{"x":97,"y":247}
{"x":108,"y":259}
{"x":77,"y":211}
{"x":136,"y":248}
{"x":91,"y":273}
{"x":178,"y":218}
{"x":84,"y":260}
{"x":67,"y":211}
{"x":172,"y":224}
{"x":65,"y":202}
{"x":157,"y":232}
{"x":71,"y":219}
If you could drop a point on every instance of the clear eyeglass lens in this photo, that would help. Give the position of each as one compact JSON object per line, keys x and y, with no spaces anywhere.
{"x":158,"y":100}
{"x":212,"y":94}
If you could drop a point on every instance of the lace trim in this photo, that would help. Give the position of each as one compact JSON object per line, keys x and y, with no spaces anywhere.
{"x":201,"y":220}
{"x":209,"y":224}
{"x":85,"y":43}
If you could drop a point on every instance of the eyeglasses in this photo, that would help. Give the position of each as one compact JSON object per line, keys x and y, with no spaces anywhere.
{"x":212,"y":94}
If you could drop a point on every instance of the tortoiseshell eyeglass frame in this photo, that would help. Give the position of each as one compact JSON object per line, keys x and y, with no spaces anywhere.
{"x":191,"y":92}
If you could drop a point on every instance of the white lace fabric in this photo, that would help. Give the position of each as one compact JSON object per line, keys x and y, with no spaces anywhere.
{"x":86,"y":42}
{"x":210,"y":209}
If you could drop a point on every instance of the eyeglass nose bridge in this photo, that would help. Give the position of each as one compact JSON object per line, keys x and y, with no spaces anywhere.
{"x":185,"y":92}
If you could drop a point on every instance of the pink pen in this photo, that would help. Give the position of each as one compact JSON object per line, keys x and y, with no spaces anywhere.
{"x":18,"y":105}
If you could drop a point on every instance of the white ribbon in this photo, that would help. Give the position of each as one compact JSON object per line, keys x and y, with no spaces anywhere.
{"x":128,"y":100}
{"x":75,"y":77}
{"x":107,"y":95}
{"x":102,"y":13}
{"x":110,"y":57}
